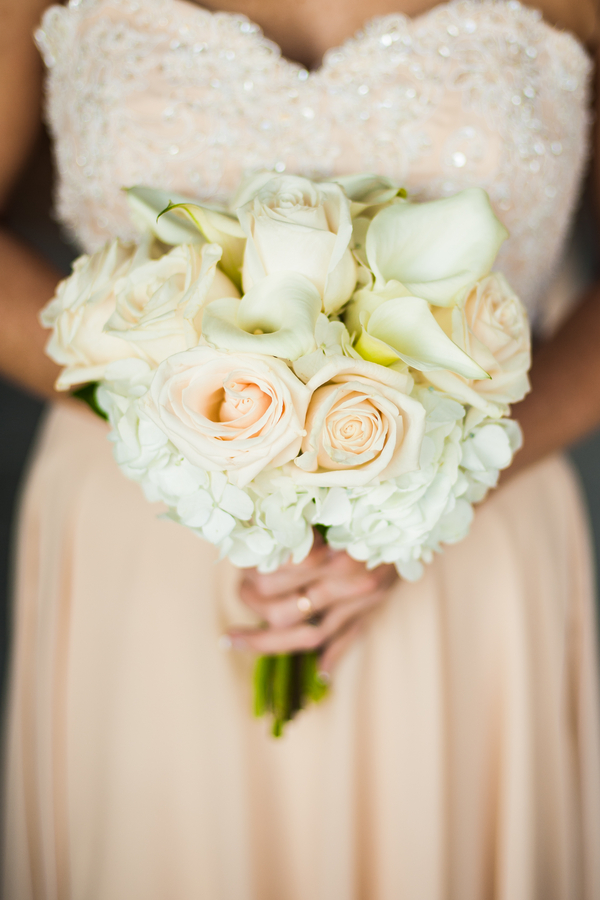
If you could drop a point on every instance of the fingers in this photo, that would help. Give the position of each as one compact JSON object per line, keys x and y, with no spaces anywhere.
{"x":279,"y":612}
{"x":305,"y":636}
{"x":287,"y":610}
{"x":291,"y":577}
{"x":336,"y":648}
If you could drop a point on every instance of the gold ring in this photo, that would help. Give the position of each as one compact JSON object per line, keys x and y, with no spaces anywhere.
{"x":305,"y":605}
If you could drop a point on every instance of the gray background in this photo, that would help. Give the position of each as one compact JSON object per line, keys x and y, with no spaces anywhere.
{"x":29,"y":214}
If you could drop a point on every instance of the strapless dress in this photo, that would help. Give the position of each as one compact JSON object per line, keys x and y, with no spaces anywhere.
{"x":458,"y":756}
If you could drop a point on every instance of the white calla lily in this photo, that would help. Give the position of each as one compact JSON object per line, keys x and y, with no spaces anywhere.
{"x":218,"y":227}
{"x":367,"y":301}
{"x":276,"y":317}
{"x":368,"y":193}
{"x":460,"y":389}
{"x":145,"y":206}
{"x":437,"y":249}
{"x":175,"y":219}
{"x":405,"y":328}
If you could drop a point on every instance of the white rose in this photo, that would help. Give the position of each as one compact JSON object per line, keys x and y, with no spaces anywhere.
{"x":232,"y":412}
{"x":159,"y":302}
{"x":294,"y":225}
{"x":498,"y":337}
{"x":79,"y":311}
{"x":492,"y":328}
{"x":361,"y":427}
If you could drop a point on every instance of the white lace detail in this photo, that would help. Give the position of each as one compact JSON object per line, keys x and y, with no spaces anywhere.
{"x":475,"y":92}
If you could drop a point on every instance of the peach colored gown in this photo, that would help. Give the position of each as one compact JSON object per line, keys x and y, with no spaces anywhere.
{"x":458,"y":757}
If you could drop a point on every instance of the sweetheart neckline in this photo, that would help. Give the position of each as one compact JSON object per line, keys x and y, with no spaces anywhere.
{"x":414,"y":21}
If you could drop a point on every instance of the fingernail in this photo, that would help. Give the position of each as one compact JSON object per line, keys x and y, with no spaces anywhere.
{"x":324,"y":678}
{"x":225,"y":643}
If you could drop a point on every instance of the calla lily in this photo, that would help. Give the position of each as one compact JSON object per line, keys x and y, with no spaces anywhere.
{"x":145,"y":206}
{"x":457,"y":387}
{"x":218,"y":227}
{"x":405,"y":328}
{"x":436,"y":249}
{"x":368,"y":301}
{"x":368,"y":193}
{"x":175,"y":219}
{"x":276,"y":317}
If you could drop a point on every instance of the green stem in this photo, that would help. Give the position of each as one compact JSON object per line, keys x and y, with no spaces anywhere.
{"x":285,"y":684}
{"x":281,"y":692}
{"x":263,"y":683}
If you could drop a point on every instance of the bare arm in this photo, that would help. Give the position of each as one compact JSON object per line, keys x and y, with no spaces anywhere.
{"x":27,"y":280}
{"x":564,"y":404}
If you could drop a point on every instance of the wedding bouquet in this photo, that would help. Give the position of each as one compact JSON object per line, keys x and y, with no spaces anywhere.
{"x":328,"y":356}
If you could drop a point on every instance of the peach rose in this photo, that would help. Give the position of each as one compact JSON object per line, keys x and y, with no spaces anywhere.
{"x":233,"y":412}
{"x":362,"y":426}
{"x":499,"y":339}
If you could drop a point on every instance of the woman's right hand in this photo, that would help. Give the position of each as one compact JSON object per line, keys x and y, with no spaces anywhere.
{"x":323,"y":602}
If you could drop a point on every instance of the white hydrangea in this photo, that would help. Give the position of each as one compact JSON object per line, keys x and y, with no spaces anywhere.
{"x":488,"y":447}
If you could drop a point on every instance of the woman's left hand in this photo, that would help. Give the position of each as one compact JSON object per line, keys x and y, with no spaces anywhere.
{"x":319,"y":603}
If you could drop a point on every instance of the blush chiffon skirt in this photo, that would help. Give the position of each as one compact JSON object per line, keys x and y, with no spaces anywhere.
{"x":457,"y":757}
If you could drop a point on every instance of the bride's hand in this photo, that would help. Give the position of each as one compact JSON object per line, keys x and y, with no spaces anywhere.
{"x":320,"y":603}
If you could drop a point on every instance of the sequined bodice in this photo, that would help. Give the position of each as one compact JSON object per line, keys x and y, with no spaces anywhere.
{"x":475,"y":92}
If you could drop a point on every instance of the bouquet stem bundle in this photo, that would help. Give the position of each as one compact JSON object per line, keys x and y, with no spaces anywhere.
{"x":285,"y":684}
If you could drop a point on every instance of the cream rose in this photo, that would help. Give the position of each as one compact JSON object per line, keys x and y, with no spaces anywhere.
{"x":159,"y":302}
{"x":233,"y":412}
{"x":78,"y":313}
{"x":499,"y":339}
{"x":361,"y":427}
{"x":492,"y":328}
{"x":294,"y":225}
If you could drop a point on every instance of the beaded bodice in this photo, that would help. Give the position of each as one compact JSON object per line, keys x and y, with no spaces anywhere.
{"x":474,"y":92}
